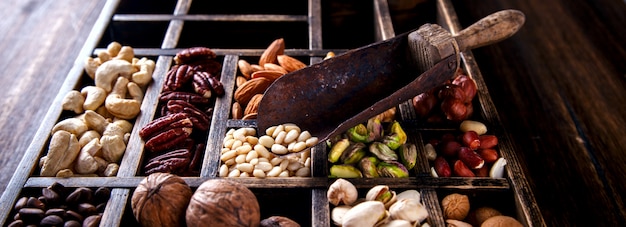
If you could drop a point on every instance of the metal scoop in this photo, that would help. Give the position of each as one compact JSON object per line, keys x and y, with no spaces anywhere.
{"x":329,"y":97}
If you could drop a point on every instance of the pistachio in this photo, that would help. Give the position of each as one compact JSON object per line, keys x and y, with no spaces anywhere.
{"x":382,"y":151}
{"x":408,"y":209}
{"x":392,"y":169}
{"x":337,"y":150}
{"x":337,"y":214}
{"x":367,"y":166}
{"x":397,"y":137}
{"x":345,"y":171}
{"x":410,"y":194}
{"x":358,"y":134}
{"x":342,"y":192}
{"x":408,"y":155}
{"x":367,"y":213}
{"x":353,"y":153}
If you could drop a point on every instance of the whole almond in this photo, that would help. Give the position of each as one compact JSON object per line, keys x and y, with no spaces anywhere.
{"x":237,"y":111}
{"x":249,"y":116}
{"x":275,"y":67}
{"x":256,"y":68}
{"x":240,"y":80}
{"x":289,"y":63}
{"x":245,"y":68}
{"x":253,"y":105}
{"x":267,"y":74}
{"x":277,"y":47}
{"x":247,"y":90}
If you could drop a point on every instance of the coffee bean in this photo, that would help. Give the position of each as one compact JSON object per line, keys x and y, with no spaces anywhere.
{"x":86,"y":209}
{"x":102,"y":195}
{"x":16,"y":223}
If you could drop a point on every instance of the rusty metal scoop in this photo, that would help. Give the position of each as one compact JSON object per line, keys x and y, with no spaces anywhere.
{"x":329,"y":97}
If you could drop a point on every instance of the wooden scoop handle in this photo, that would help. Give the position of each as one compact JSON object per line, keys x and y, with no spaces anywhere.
{"x":431,"y":43}
{"x":490,"y":29}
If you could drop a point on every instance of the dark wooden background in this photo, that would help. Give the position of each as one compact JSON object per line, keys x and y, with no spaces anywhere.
{"x":559,"y":86}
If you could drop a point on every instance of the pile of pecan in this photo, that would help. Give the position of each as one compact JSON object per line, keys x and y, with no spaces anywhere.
{"x":175,"y":139}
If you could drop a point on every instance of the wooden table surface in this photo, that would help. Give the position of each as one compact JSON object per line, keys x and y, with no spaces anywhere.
{"x":559,"y":86}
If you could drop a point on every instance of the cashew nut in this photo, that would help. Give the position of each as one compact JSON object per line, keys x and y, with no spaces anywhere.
{"x":116,"y":103}
{"x":87,"y":137}
{"x":125,"y":125}
{"x":73,"y":125}
{"x":114,"y":48}
{"x":73,"y":101}
{"x":104,"y":56}
{"x":112,"y":141}
{"x":135,"y":91}
{"x":126,"y":53}
{"x":102,"y":110}
{"x":111,"y":170}
{"x":95,"y":121}
{"x":91,"y":65}
{"x":109,"y":71}
{"x":62,"y":152}
{"x":94,"y":97}
{"x":144,"y":75}
{"x":85,"y":163}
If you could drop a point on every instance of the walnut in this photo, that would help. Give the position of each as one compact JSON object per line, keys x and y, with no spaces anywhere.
{"x":455,"y":206}
{"x":220,"y":202}
{"x":160,"y":199}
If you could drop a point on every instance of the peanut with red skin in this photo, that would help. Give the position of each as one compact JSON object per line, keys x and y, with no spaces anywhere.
{"x":488,"y":141}
{"x":470,"y":158}
{"x":442,"y":167}
{"x":461,"y":170}
{"x":449,"y":148}
{"x":488,"y":154}
{"x":471,"y":140}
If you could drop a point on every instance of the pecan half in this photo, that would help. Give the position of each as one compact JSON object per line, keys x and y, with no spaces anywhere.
{"x":199,"y":119}
{"x":163,"y":123}
{"x":192,"y":54}
{"x":177,"y":77}
{"x":168,"y":139}
{"x":175,"y":161}
{"x":189,"y":97}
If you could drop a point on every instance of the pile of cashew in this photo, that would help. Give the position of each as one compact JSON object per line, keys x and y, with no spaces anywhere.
{"x":93,"y":142}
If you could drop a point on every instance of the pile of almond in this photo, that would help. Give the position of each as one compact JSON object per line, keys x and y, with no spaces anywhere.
{"x":254,"y":79}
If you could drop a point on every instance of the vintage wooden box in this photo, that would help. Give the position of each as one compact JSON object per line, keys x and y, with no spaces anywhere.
{"x":241,"y":30}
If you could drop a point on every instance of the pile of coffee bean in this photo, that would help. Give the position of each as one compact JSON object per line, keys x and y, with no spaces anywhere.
{"x":61,"y":206}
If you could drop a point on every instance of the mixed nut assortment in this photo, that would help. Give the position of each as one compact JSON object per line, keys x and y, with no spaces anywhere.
{"x":372,"y":150}
{"x":93,"y":142}
{"x":176,"y":138}
{"x":381,"y":206}
{"x":473,"y":153}
{"x":61,"y":206}
{"x":284,"y":151}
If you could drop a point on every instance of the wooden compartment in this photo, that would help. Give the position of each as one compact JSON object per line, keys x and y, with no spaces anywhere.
{"x":311,"y":29}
